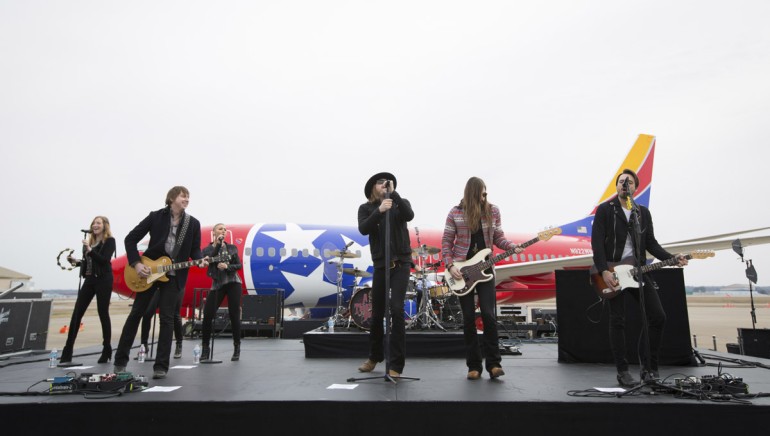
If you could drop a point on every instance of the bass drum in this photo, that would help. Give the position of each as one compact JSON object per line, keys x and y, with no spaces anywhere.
{"x":361,"y":308}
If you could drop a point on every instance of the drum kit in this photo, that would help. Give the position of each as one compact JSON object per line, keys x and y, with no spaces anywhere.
{"x":437,"y":304}
{"x":428,"y":302}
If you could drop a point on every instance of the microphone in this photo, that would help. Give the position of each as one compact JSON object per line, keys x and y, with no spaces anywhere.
{"x":86,"y":231}
{"x":625,"y":183}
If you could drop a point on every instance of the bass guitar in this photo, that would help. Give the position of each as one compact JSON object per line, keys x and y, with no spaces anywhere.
{"x":473,"y":269}
{"x":626,"y":274}
{"x":158,"y":269}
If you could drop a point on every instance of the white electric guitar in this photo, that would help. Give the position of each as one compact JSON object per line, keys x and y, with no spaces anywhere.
{"x":473,"y":268}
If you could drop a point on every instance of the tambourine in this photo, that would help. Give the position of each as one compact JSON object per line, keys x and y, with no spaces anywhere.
{"x":58,"y":259}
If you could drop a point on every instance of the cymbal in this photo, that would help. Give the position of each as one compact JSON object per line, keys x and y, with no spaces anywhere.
{"x":356,"y":272}
{"x":425,"y":250}
{"x":344,"y":254}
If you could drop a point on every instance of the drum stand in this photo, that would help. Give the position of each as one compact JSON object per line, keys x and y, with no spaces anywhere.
{"x":425,"y":315}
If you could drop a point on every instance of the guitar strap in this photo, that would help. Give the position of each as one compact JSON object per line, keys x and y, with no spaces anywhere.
{"x":180,"y":236}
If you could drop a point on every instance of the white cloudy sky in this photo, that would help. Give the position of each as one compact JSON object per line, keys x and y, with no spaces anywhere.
{"x":272,"y":111}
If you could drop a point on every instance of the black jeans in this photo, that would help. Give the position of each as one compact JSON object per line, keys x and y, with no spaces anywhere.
{"x":489,"y":343}
{"x":169,"y":296}
{"x":399,"y":279}
{"x":656,"y":319}
{"x":213,"y":299}
{"x":101,"y":288}
{"x":147,"y":320}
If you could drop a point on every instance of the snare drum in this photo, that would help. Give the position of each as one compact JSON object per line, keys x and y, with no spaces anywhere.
{"x":440,"y":292}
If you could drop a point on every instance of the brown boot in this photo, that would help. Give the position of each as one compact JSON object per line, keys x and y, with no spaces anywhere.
{"x":367,"y":366}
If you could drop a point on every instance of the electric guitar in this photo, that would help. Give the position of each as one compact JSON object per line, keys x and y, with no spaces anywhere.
{"x":473,"y":268}
{"x":158,"y":269}
{"x":626,"y":274}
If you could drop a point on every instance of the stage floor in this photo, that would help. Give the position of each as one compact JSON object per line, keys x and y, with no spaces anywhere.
{"x":275,"y":375}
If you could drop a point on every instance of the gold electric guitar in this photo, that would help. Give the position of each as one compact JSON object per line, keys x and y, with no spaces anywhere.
{"x":158,"y":269}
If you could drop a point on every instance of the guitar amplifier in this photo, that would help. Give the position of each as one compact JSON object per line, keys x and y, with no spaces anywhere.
{"x":259,"y":309}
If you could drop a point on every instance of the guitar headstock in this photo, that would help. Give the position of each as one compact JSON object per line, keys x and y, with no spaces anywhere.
{"x":701,"y":254}
{"x":548,"y":234}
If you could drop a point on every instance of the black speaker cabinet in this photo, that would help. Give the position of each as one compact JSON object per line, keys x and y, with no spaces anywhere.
{"x":755,"y":342}
{"x":259,"y":308}
{"x":24,"y":324}
{"x":584,"y":323}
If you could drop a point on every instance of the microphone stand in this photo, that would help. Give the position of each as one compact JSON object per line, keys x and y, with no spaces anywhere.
{"x":646,"y":377}
{"x":80,"y":284}
{"x":211,"y":359}
{"x":386,"y":333}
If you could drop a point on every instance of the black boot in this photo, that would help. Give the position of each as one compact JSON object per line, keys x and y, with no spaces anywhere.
{"x":66,"y":355}
{"x":178,"y":351}
{"x":106,"y":354}
{"x":205,"y":352}
{"x":236,"y":351}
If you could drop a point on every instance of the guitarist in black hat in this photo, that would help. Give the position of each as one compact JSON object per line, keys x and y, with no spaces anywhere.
{"x":175,"y":234}
{"x":380,"y":190}
{"x":612,"y":241}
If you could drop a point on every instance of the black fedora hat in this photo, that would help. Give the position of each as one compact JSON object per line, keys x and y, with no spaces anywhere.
{"x":372,"y":180}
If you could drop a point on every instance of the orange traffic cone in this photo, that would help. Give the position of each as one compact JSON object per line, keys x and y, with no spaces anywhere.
{"x":64,"y":329}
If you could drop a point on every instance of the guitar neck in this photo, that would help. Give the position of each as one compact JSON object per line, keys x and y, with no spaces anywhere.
{"x":189,"y":263}
{"x":494,"y":259}
{"x":178,"y":266}
{"x":664,"y":263}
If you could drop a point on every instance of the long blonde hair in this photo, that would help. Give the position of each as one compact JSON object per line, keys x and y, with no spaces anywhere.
{"x":475,"y":209}
{"x":106,"y":232}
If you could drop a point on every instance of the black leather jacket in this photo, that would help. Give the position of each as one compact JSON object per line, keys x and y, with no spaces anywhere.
{"x":101,"y":260}
{"x":610,"y":230}
{"x":372,"y":222}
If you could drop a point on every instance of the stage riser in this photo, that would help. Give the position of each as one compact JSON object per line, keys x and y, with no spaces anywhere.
{"x":319,"y":344}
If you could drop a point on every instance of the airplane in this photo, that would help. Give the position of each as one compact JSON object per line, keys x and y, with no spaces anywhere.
{"x":314,"y":263}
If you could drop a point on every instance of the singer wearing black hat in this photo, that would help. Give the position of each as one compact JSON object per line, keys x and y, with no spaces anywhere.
{"x":384,"y":201}
{"x":225,"y":283}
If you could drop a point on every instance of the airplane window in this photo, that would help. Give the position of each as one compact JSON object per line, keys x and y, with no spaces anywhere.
{"x":537,"y":256}
{"x":282,"y":251}
{"x":260,"y":251}
{"x":305,"y":252}
{"x":271,"y":251}
{"x":529,"y":256}
{"x":316,"y":253}
{"x":293,"y":252}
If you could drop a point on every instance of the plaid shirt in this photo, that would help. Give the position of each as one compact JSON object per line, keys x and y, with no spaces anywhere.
{"x":457,"y":236}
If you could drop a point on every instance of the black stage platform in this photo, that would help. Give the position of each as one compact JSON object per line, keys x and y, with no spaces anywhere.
{"x":275,"y":388}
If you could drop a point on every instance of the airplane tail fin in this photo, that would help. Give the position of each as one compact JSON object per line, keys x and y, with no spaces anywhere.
{"x":640,"y":160}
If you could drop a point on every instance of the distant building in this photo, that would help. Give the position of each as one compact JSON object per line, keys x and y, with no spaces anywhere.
{"x":10,"y":278}
{"x":738,"y":290}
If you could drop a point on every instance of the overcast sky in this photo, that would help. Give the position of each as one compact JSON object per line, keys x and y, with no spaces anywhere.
{"x":278,"y":111}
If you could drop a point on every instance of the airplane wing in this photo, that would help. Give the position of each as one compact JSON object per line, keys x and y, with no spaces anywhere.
{"x":506,"y":272}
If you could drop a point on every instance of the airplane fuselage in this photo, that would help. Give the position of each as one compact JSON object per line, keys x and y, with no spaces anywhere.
{"x":300,"y":259}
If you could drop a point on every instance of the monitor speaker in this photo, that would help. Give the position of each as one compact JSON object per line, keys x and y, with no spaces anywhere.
{"x":755,"y":342}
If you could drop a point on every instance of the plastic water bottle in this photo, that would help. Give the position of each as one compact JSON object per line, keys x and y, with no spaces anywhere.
{"x":330,"y":325}
{"x":53,"y":358}
{"x":142,"y":354}
{"x":197,"y":354}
